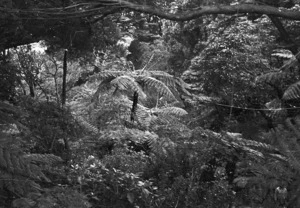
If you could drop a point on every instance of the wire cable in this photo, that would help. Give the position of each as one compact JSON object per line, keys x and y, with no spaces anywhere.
{"x":255,"y":109}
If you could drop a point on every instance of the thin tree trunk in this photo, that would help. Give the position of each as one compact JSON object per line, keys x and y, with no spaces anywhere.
{"x":31,"y":89}
{"x":63,"y":94}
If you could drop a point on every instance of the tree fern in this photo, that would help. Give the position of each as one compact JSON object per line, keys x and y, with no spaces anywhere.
{"x":141,"y":81}
{"x":150,"y":86}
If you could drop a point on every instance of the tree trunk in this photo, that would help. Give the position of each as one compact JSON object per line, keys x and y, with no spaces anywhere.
{"x":63,"y":94}
{"x":31,"y":90}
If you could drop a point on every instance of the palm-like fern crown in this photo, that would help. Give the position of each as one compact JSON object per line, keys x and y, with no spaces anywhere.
{"x":153,"y":96}
{"x":146,"y":83}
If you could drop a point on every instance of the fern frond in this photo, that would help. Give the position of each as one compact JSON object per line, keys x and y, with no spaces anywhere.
{"x":18,"y":171}
{"x":276,"y":110}
{"x":47,"y":159}
{"x":149,"y":61}
{"x":161,"y":146}
{"x":164,"y":119}
{"x":279,"y":113}
{"x":159,"y":86}
{"x":293,"y":92}
{"x":246,"y":142}
{"x":170,"y":111}
{"x":138,"y":135}
{"x":156,"y":144}
{"x":128,"y":83}
{"x":148,"y":117}
{"x":292,"y":63}
{"x":288,"y":145}
{"x":86,"y":125}
{"x":104,"y":86}
{"x":272,"y":77}
{"x":234,"y":140}
{"x":283,"y":53}
{"x":294,"y":128}
{"x":274,"y":104}
{"x":165,"y":77}
{"x":106,"y":75}
{"x":203,"y":99}
{"x":182,"y":86}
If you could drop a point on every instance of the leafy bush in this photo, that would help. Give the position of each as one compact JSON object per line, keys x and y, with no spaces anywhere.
{"x":51,"y":127}
{"x":108,"y":186}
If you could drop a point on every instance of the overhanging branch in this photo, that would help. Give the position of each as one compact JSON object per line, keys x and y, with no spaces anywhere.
{"x":96,"y":8}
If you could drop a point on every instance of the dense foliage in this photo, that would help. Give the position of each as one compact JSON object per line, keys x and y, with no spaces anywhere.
{"x":157,"y":104}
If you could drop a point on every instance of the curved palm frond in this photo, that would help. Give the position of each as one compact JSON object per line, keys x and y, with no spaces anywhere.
{"x":293,"y":92}
{"x":158,"y":85}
